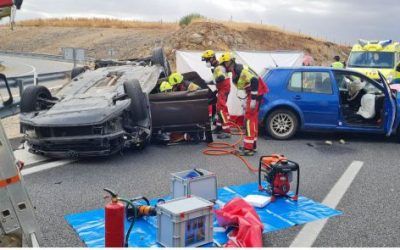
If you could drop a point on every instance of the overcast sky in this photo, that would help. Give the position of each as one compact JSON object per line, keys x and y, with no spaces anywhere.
{"x":336,"y":20}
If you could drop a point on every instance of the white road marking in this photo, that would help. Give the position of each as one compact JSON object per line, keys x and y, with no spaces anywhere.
{"x":310,"y":232}
{"x":46,"y":166}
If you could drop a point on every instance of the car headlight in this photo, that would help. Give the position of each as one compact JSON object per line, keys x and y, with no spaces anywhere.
{"x":113,"y":126}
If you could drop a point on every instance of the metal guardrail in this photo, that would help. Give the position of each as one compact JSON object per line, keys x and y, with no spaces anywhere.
{"x":34,"y":55}
{"x":21,"y":81}
{"x":13,"y":81}
{"x":39,"y":56}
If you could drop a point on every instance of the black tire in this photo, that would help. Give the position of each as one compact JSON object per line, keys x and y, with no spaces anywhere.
{"x":30,"y":96}
{"x":77,"y":71}
{"x":282,"y":124}
{"x":158,"y":57}
{"x":398,"y":135}
{"x":139,"y":103}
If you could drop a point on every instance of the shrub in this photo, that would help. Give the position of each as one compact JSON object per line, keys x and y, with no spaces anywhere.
{"x":186,"y":20}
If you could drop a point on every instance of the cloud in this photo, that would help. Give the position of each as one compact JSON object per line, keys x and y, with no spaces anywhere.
{"x":338,"y":20}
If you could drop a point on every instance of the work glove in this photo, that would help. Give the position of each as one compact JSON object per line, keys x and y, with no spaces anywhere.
{"x":253,"y":104}
{"x":193,"y":87}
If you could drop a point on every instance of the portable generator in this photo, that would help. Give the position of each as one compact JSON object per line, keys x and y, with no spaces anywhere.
{"x":277,"y":171}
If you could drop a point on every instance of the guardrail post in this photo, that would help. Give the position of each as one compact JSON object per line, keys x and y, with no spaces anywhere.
{"x":35,"y":78}
{"x":20,"y":84}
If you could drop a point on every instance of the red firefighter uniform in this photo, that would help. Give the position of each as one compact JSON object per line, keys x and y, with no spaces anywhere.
{"x":255,"y":89}
{"x":223,"y":84}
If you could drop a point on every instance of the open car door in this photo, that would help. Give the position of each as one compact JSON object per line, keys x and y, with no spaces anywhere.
{"x":181,"y":111}
{"x":390,"y":106}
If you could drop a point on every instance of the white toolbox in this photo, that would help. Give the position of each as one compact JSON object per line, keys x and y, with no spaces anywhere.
{"x":204,"y":186}
{"x":185,"y":222}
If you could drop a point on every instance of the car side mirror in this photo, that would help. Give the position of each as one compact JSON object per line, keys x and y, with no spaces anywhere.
{"x":398,"y":68}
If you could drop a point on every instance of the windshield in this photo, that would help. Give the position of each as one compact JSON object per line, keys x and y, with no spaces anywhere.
{"x":371,"y":60}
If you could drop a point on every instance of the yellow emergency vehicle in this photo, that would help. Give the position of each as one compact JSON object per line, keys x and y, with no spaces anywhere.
{"x":368,"y":57}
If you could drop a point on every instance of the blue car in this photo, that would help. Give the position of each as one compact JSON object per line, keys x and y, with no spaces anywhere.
{"x":327,"y":99}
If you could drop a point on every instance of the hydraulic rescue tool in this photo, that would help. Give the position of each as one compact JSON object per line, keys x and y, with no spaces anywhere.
{"x":115,"y":213}
{"x":277,"y":171}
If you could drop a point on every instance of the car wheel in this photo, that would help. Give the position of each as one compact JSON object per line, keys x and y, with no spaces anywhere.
{"x":282,"y":124}
{"x":159,"y":57}
{"x":76,"y":72}
{"x":31,"y":99}
{"x":138,"y":108}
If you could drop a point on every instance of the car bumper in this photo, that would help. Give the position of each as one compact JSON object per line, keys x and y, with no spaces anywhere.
{"x":77,"y":147}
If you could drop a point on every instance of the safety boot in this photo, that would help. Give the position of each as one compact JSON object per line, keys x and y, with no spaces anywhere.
{"x":223,"y":136}
{"x":245,"y":152}
{"x":217,"y":131}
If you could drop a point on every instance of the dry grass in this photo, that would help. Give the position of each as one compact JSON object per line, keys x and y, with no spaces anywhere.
{"x":96,"y":23}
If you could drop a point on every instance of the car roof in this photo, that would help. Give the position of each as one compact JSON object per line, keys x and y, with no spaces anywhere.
{"x":310,"y":68}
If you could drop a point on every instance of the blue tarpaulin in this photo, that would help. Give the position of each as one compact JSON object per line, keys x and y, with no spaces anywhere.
{"x":281,"y":214}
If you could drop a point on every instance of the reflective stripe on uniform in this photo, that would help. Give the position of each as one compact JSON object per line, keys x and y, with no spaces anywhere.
{"x":223,"y":117}
{"x":248,"y":127}
{"x":248,"y":141}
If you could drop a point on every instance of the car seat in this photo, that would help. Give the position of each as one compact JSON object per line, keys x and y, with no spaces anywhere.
{"x":323,"y":86}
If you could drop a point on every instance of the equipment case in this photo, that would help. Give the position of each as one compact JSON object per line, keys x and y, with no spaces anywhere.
{"x":185,"y":222}
{"x":204,"y":186}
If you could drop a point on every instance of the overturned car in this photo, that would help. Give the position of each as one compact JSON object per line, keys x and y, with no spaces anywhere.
{"x":115,"y":106}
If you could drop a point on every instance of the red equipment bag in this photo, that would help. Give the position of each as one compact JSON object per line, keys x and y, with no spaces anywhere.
{"x":6,"y":3}
{"x":248,"y":227}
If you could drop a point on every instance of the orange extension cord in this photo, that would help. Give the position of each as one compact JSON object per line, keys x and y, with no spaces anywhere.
{"x":224,"y":148}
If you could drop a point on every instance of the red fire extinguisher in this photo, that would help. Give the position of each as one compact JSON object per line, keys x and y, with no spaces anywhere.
{"x":114,"y":221}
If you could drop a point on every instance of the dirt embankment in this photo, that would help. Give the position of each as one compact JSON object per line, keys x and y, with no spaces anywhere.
{"x":137,"y":40}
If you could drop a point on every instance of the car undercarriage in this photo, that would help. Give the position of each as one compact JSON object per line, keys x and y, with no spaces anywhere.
{"x":115,"y":106}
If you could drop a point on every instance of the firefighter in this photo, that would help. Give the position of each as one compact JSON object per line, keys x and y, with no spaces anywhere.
{"x":223,"y":84}
{"x":165,"y":87}
{"x":176,"y":80}
{"x":245,"y":79}
{"x":337,"y":64}
{"x":179,"y":84}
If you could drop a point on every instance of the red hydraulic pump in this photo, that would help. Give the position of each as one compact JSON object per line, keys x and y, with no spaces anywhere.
{"x":277,"y":171}
{"x":114,"y":221}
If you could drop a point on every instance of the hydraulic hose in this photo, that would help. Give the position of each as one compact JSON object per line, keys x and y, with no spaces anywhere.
{"x":132,"y":221}
{"x":224,"y":148}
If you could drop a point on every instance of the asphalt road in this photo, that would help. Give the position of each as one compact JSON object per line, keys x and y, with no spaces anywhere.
{"x":370,"y":206}
{"x":22,"y":66}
